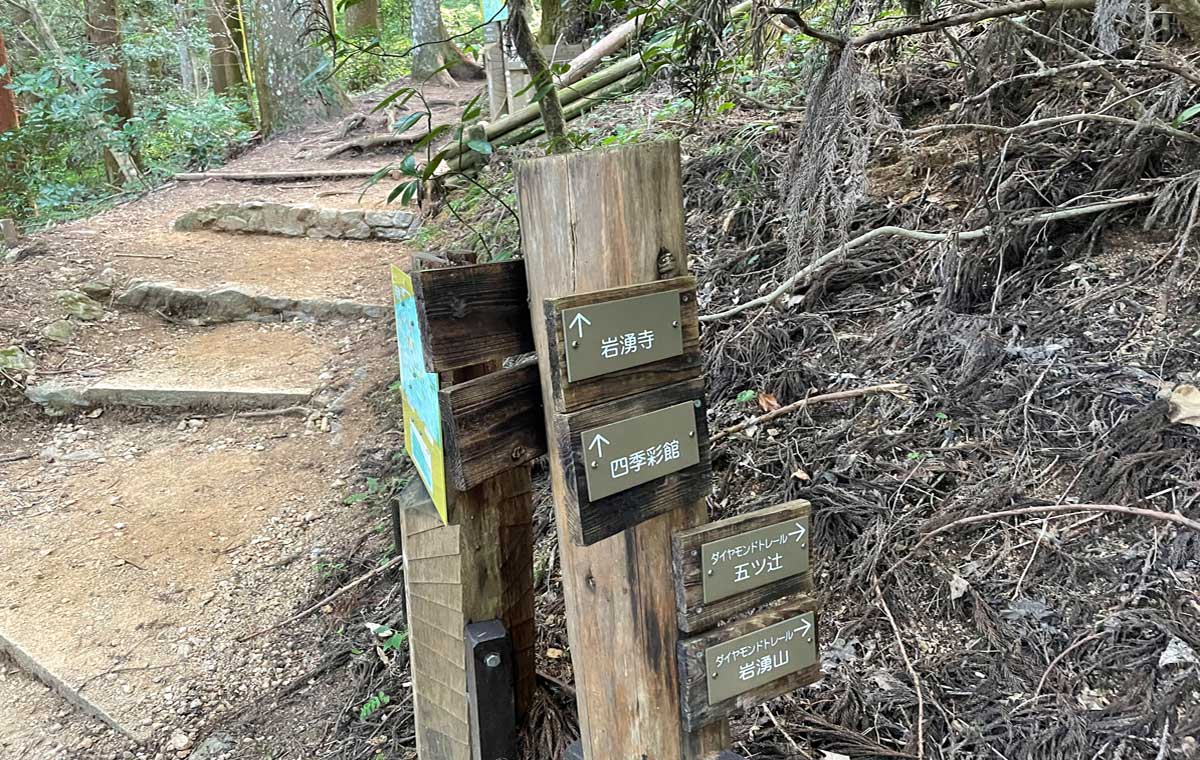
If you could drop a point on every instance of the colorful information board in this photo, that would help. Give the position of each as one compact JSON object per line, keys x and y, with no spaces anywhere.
{"x":422,"y":415}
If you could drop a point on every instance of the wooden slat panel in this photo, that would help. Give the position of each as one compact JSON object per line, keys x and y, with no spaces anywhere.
{"x":591,"y":521}
{"x":693,"y":684}
{"x":492,"y":424}
{"x":694,"y":614}
{"x":435,"y":569}
{"x":473,"y":314}
{"x":570,"y":396}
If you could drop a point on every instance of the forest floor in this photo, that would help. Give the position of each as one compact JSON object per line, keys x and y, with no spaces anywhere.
{"x":143,"y":539}
{"x":1037,"y":372}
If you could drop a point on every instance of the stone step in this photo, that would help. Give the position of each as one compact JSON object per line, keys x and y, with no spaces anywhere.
{"x":230,"y":303}
{"x":230,"y":367}
{"x":300,"y":220}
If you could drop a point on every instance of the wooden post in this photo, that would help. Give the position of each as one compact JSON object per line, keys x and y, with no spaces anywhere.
{"x":477,"y":568}
{"x":8,"y":102}
{"x":590,"y":221}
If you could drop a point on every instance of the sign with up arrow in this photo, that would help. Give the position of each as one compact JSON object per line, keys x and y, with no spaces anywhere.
{"x":628,"y":332}
{"x":639,"y":449}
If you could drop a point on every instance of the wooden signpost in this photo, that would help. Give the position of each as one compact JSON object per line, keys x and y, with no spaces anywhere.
{"x":675,"y":623}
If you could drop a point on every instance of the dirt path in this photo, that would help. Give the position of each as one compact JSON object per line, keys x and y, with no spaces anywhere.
{"x":149,"y":529}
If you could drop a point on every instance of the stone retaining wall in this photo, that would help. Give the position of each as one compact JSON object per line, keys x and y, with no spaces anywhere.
{"x":302,"y":220}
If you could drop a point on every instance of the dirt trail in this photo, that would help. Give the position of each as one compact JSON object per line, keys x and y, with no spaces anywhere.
{"x":141,"y":539}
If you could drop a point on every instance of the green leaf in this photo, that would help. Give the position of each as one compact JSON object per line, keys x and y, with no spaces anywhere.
{"x":404,"y":124}
{"x":1186,"y":115}
{"x":410,"y":192}
{"x":404,"y":94}
{"x":746,"y":396}
{"x":480,"y":146}
{"x":432,"y":166}
{"x":472,"y":109}
{"x":409,"y":165}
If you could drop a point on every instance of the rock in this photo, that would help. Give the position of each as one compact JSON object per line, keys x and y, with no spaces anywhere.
{"x":8,"y":232}
{"x":82,"y":455}
{"x":231,"y":223}
{"x":212,"y":747}
{"x":229,"y":303}
{"x":179,"y":740}
{"x":79,"y":305}
{"x":59,"y":331}
{"x":57,"y":399}
{"x":392,"y":233}
{"x":389,"y":219}
{"x":14,"y":357}
{"x":96,"y":290}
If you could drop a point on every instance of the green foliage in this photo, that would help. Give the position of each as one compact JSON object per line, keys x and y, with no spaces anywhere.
{"x":373,"y":705}
{"x":57,"y":153}
{"x":747,"y":396}
{"x":184,"y":132}
{"x":390,"y":640}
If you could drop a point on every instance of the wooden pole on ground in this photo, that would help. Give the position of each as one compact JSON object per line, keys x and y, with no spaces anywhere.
{"x":477,"y":568}
{"x":591,"y":221}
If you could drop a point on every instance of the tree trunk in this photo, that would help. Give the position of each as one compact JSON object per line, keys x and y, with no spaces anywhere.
{"x":104,"y":36}
{"x":8,"y":102}
{"x":362,"y":18}
{"x":552,"y":22}
{"x":290,"y":88}
{"x":224,"y":34}
{"x":44,"y":33}
{"x":543,"y":78}
{"x":428,"y":63}
{"x":187,"y":72}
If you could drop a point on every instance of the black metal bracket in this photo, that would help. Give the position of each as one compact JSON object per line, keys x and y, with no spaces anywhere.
{"x":490,"y":685}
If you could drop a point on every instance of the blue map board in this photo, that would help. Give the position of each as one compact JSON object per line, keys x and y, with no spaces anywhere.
{"x":422,"y":415}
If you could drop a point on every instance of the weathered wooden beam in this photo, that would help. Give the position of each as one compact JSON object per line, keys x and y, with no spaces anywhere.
{"x":473,"y":314}
{"x":588,"y":519}
{"x":740,"y":563}
{"x":743,"y":664}
{"x":492,"y":424}
{"x":478,"y":567}
{"x":590,"y":221}
{"x":570,"y":395}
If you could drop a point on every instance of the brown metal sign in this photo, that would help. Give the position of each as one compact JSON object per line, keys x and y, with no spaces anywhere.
{"x":755,"y":659}
{"x":754,"y":559}
{"x":616,"y":335}
{"x":640,"y":449}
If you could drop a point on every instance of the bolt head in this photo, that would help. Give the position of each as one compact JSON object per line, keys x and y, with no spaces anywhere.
{"x":492,"y":660}
{"x":574,"y":344}
{"x":675,"y":323}
{"x":595,"y":464}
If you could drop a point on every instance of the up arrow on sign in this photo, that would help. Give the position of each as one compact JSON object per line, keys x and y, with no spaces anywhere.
{"x":598,"y":444}
{"x":578,"y":322}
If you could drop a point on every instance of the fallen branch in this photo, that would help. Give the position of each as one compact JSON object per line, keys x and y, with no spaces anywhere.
{"x":1117,"y":508}
{"x":930,"y":237}
{"x":912,"y":672}
{"x":933,"y":24}
{"x":286,"y":176}
{"x":605,"y":46}
{"x":305,"y":613}
{"x":1088,"y":65}
{"x":1055,"y":121}
{"x":893,"y":388}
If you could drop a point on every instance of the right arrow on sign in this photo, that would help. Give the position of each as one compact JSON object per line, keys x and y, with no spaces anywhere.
{"x":578,"y":322}
{"x":598,"y":443}
{"x":804,"y":627}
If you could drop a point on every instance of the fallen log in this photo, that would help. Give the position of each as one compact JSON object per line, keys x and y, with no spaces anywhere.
{"x":299,"y":174}
{"x":467,"y":160}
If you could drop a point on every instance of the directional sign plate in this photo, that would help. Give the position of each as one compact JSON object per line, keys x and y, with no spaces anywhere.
{"x":758,"y":658}
{"x":754,"y":559}
{"x":628,"y":453}
{"x":616,"y":335}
